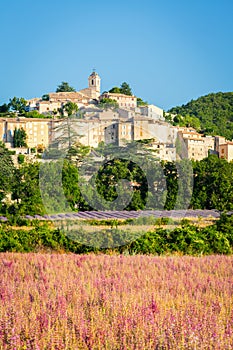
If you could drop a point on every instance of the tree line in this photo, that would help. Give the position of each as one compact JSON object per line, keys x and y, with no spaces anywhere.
{"x":151,"y":185}
{"x":211,"y":114}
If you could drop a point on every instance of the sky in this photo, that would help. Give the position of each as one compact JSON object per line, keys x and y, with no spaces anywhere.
{"x":168,"y":51}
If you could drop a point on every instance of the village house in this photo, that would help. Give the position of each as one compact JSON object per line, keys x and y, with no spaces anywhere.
{"x":124,"y":101}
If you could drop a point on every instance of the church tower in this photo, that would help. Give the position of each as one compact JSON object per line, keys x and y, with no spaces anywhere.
{"x":94,"y":83}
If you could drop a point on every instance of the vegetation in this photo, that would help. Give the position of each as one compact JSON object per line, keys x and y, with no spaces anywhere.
{"x":6,"y":174}
{"x":19,"y":138}
{"x":213,"y":111}
{"x":18,"y":104}
{"x":70,"y":108}
{"x":187,"y":239}
{"x":140,"y":102}
{"x":54,"y":301}
{"x":205,"y":184}
{"x":36,"y":114}
{"x":65,"y":87}
{"x":123,"y":89}
{"x":108,"y":103}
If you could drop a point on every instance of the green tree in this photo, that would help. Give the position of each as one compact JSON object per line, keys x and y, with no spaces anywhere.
{"x":213,"y":188}
{"x":4,"y":108}
{"x":45,"y":97}
{"x":65,"y":87}
{"x":70,"y":108}
{"x":107,"y":103}
{"x":115,"y":90}
{"x":26,"y":191}
{"x":214,"y":112}
{"x":6,"y":171}
{"x":18,"y":104}
{"x":125,"y":89}
{"x":140,"y":102}
{"x":19,"y":138}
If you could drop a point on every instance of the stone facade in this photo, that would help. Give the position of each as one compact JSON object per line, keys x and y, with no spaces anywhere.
{"x":124,"y":101}
{"x":226,"y":151}
{"x":38,"y":131}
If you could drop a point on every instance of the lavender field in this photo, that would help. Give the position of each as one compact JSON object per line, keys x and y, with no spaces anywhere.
{"x":52,"y":301}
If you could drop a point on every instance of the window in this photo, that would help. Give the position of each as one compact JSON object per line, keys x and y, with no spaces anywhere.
{"x":92,"y":82}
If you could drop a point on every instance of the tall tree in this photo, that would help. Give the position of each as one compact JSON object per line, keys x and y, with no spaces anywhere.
{"x":6,"y":171}
{"x":19,"y":138}
{"x":65,"y":87}
{"x":70,"y":108}
{"x":126,"y":89}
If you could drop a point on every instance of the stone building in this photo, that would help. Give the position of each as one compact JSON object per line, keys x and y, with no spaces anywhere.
{"x":226,"y":151}
{"x":38,"y":131}
{"x":124,"y":101}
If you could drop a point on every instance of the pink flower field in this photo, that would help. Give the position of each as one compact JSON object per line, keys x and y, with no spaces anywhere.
{"x":52,"y":301}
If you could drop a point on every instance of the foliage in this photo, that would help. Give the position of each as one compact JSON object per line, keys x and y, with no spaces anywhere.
{"x":65,"y":87}
{"x":6,"y":171}
{"x":18,"y":104}
{"x":123,"y":89}
{"x":107,"y":103}
{"x":187,"y":120}
{"x":36,"y":114}
{"x":213,"y":187}
{"x":126,"y":89}
{"x":187,"y":240}
{"x":26,"y":191}
{"x":140,"y":102}
{"x":45,"y":97}
{"x":115,"y":90}
{"x":214,"y":111}
{"x":21,"y":158}
{"x":4,"y":108}
{"x":70,"y":108}
{"x":19,"y":138}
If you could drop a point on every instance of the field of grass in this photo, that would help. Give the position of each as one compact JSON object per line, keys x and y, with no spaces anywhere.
{"x":67,"y":301}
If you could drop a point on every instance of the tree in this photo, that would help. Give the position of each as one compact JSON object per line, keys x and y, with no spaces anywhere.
{"x":4,"y":108}
{"x":140,"y":102}
{"x":115,"y":90}
{"x":26,"y":190}
{"x":107,"y":103}
{"x":6,"y":171}
{"x":19,"y":138}
{"x":65,"y":87}
{"x":70,"y":108}
{"x":213,"y":187}
{"x":125,"y":89}
{"x":45,"y":97}
{"x":18,"y":104}
{"x":214,"y":111}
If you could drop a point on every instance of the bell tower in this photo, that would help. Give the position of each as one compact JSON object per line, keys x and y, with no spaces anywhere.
{"x":94,"y":82}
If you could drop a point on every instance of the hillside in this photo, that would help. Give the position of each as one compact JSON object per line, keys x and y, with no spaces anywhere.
{"x":215,"y":112}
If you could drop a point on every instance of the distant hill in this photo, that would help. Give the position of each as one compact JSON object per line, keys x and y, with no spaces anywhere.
{"x":215,"y":112}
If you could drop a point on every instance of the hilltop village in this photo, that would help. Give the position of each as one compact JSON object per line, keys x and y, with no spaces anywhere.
{"x":96,"y":121}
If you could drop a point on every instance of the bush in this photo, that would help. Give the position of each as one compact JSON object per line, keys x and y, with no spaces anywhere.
{"x":21,"y":158}
{"x":188,"y":240}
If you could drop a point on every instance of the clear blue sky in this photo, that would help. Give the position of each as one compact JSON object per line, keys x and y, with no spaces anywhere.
{"x":168,"y":51}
